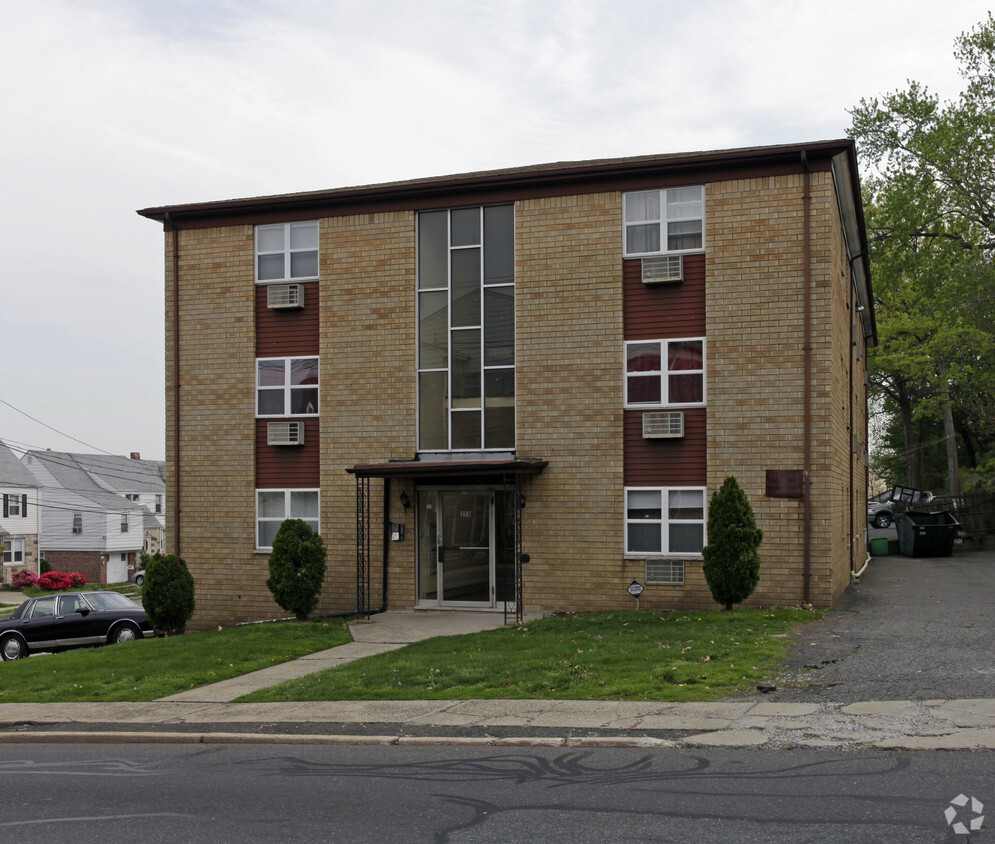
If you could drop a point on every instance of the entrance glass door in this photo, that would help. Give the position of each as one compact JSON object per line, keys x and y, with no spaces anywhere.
{"x":456,"y":548}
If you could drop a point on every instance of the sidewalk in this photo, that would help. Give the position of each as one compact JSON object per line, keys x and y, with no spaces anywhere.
{"x":892,"y":636}
{"x":209,"y":715}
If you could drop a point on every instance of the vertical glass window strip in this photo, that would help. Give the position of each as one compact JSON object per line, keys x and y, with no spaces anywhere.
{"x":466,"y":329}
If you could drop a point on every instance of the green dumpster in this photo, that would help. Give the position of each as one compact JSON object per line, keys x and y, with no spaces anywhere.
{"x":926,"y":534}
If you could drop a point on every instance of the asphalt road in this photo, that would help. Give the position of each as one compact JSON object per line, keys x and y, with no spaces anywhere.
{"x":246,"y":794}
{"x":911,"y":629}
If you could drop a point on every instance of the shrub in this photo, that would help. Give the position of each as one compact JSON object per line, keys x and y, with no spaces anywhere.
{"x":168,"y":593}
{"x":296,"y":568}
{"x":44,"y":566}
{"x":23,"y":579}
{"x":55,"y":581}
{"x":731,"y":562}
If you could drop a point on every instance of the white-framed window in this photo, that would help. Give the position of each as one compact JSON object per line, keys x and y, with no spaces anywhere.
{"x":15,"y":505}
{"x":661,"y":373}
{"x":77,"y":523}
{"x":158,"y":503}
{"x":13,"y":552}
{"x":124,"y":523}
{"x":286,"y":252}
{"x":287,"y":387}
{"x":275,"y":506}
{"x":664,"y":521}
{"x":660,"y":221}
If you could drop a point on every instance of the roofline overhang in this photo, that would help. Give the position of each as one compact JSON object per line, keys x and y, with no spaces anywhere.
{"x":449,"y":468}
{"x":433,"y":190}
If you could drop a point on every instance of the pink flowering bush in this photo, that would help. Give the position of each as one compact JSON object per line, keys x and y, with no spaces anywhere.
{"x":23,"y":579}
{"x":77,"y":579}
{"x":54,"y":581}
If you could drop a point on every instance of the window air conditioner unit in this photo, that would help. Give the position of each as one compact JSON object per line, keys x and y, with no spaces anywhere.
{"x":663,"y":269}
{"x":285,"y":433}
{"x":668,"y":425}
{"x":282,"y":297}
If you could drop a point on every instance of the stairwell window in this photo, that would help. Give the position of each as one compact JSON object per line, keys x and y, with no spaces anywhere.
{"x":664,"y":520}
{"x":665,"y":373}
{"x":275,"y":506}
{"x":287,"y":252}
{"x":661,"y":221}
{"x":287,"y":387}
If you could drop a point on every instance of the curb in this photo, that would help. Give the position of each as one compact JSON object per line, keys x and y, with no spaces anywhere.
{"x":744,"y":739}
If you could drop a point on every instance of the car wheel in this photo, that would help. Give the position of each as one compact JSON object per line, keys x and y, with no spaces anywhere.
{"x":882,"y":520}
{"x":13,"y":647}
{"x":124,"y":633}
{"x":140,"y":580}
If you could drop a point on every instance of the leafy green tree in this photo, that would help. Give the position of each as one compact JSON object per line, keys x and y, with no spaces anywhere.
{"x":930,"y":201}
{"x":296,"y":567}
{"x":168,"y":593}
{"x":731,"y":562}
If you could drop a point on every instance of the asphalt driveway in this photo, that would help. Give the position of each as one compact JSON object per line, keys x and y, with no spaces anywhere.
{"x":911,"y":629}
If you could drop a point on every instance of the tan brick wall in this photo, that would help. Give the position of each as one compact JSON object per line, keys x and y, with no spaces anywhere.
{"x":569,"y":398}
{"x":756,"y":372}
{"x":569,"y":402}
{"x":216,"y":448}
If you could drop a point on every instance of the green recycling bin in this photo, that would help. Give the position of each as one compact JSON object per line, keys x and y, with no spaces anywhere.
{"x":926,"y":534}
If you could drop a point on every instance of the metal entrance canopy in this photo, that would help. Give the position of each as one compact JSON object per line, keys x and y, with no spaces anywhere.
{"x":449,"y":468}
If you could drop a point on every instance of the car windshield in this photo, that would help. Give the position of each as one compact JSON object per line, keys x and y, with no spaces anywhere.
{"x":109,"y":601}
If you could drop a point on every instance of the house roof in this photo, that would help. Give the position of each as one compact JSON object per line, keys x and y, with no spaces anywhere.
{"x":561,"y":178}
{"x":71,"y":475}
{"x":13,"y":472}
{"x":564,"y":173}
{"x":121,"y":474}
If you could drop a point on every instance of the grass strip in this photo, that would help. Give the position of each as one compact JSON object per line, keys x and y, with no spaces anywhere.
{"x":675,"y":656}
{"x":154,"y":668}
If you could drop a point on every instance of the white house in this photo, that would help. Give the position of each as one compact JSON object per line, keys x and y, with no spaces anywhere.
{"x":85,"y":525}
{"x":19,"y":493}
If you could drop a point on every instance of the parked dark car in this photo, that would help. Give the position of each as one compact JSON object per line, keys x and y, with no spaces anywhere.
{"x":72,"y":620}
{"x":881,"y":508}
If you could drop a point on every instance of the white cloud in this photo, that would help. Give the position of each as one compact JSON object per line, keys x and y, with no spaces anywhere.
{"x":114,"y":105}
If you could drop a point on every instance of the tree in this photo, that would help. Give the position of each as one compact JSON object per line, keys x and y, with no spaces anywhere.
{"x":930,"y":203}
{"x":731,"y":562}
{"x":168,"y":593}
{"x":296,"y":567}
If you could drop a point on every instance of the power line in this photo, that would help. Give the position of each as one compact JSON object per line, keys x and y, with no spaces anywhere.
{"x":51,"y":428}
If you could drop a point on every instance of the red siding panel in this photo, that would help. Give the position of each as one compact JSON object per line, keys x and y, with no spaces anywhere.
{"x":677,"y":462}
{"x":657,"y":311}
{"x":654,"y":312}
{"x":286,"y":466}
{"x":290,"y":332}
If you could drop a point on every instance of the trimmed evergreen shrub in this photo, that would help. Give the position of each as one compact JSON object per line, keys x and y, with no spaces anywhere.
{"x":168,"y":594}
{"x":731,"y":562}
{"x":296,"y":568}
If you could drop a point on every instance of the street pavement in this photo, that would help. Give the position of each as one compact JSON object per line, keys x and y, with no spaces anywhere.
{"x":903,"y":662}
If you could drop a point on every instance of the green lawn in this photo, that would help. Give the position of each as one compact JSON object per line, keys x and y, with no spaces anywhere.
{"x":678,"y":656}
{"x":154,"y":668}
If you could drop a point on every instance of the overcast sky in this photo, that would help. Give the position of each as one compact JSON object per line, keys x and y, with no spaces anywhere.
{"x":124,"y":104}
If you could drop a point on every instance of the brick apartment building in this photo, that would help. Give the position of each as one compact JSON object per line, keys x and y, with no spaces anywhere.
{"x":519,"y":388}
